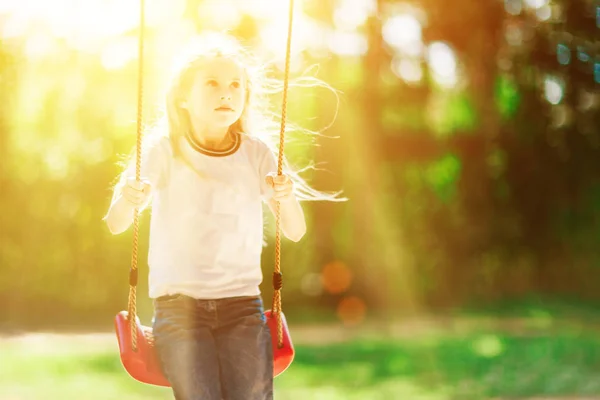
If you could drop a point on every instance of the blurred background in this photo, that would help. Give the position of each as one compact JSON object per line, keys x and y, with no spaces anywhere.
{"x":465,"y":264}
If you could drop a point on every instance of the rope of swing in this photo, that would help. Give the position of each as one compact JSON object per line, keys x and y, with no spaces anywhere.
{"x":277,"y":276}
{"x":133,"y":272}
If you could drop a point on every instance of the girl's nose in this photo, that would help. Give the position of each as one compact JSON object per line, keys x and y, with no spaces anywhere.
{"x":225,"y":97}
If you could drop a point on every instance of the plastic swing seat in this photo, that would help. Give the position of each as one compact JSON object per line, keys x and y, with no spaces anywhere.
{"x":142,"y":364}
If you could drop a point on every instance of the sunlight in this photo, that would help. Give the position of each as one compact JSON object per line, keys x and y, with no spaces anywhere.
{"x":87,"y":25}
{"x":553,"y":90}
{"x":544,"y":13}
{"x":89,"y":19}
{"x":268,"y":9}
{"x":535,"y":4}
{"x":442,"y":62}
{"x":348,"y":43}
{"x":83,"y":22}
{"x":403,"y":32}
{"x":38,"y":46}
{"x":274,"y":34}
{"x":409,"y":70}
{"x":117,"y":54}
{"x":57,"y":166}
{"x":513,"y":7}
{"x":220,"y":13}
{"x":351,"y":14}
{"x":14,"y":26}
{"x":6,"y":6}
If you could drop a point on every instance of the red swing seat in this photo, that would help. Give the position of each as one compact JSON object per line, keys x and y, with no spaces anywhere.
{"x":143,"y":365}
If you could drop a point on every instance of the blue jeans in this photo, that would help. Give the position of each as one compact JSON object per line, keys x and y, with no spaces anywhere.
{"x":214,"y":349}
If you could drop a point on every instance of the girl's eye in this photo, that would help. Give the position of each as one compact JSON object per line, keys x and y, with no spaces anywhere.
{"x":235,"y":84}
{"x":212,"y":82}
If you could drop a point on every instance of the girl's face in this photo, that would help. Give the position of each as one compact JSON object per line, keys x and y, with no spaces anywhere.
{"x":218,"y":93}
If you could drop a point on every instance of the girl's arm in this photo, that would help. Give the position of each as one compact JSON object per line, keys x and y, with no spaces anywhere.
{"x":119,"y":216}
{"x":126,"y":198}
{"x":293,"y":223}
{"x":129,"y":193}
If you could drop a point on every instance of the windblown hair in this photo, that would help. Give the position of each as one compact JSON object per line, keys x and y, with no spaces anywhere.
{"x":257,"y":119}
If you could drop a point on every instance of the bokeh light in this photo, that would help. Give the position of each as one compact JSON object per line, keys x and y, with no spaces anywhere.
{"x":311,"y":284}
{"x":351,"y":14}
{"x":553,"y":89}
{"x":488,"y":346}
{"x":513,"y":7}
{"x":403,"y":32}
{"x":443,"y":64}
{"x":352,"y":310}
{"x":536,"y":4}
{"x":336,"y":277}
{"x":410,"y":70}
{"x":348,"y":43}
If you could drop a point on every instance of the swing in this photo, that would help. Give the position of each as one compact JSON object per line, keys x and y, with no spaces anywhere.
{"x":136,"y":343}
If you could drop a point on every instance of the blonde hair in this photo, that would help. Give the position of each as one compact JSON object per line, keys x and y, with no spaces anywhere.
{"x":257,"y":119}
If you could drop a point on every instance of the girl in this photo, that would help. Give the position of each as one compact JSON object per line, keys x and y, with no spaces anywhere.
{"x":207,"y":176}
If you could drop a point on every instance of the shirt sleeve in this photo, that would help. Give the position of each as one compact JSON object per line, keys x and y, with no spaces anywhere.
{"x":267,"y":165}
{"x":154,"y":166}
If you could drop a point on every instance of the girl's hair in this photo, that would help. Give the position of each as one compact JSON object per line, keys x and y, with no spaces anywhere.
{"x":257,"y":119}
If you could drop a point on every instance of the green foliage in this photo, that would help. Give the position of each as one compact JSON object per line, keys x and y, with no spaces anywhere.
{"x":408,"y":117}
{"x":442,"y":176}
{"x":492,"y":192}
{"x":507,"y":97}
{"x":451,"y":113}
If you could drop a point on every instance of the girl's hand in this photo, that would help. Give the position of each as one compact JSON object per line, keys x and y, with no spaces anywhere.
{"x":137,"y":193}
{"x":282,"y":185}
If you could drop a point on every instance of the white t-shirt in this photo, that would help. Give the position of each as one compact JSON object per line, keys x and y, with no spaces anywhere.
{"x":206,"y":227}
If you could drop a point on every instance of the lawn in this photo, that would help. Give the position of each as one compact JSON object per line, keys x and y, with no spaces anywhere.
{"x":418,"y":361}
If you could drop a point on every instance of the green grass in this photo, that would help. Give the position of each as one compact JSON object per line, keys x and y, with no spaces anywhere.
{"x":475,"y":367}
{"x":430,"y":367}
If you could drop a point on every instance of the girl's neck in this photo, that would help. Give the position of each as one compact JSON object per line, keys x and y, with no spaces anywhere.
{"x":213,"y":139}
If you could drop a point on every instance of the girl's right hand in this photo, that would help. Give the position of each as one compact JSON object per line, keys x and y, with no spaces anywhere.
{"x":137,"y":193}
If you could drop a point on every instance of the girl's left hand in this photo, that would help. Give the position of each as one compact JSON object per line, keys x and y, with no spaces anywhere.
{"x":282,"y":185}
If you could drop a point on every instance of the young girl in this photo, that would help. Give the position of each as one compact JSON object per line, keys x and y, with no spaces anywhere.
{"x":207,"y":177}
